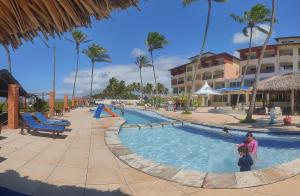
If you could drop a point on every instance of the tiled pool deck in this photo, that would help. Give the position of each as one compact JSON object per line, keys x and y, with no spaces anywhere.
{"x":81,"y":164}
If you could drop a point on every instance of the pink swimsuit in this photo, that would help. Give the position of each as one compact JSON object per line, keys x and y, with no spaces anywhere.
{"x":252,"y":146}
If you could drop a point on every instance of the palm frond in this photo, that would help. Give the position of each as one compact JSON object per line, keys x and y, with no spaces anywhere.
{"x":220,"y":1}
{"x":262,"y":29}
{"x":245,"y":31}
{"x":237,"y":18}
{"x":188,"y":2}
{"x":156,"y":41}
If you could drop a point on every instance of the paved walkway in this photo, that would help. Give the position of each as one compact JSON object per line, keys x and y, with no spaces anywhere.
{"x":206,"y":115}
{"x":81,"y":164}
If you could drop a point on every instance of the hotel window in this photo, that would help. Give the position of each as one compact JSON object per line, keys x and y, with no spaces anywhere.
{"x":189,"y":78}
{"x":299,"y":65}
{"x":189,"y":69}
{"x":286,"y":52}
{"x":175,"y":90}
{"x":235,"y":84}
{"x":269,"y":54}
{"x":298,"y":51}
{"x":286,"y":66}
{"x":198,"y":77}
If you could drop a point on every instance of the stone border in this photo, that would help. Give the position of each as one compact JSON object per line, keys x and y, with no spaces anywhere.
{"x":197,"y":179}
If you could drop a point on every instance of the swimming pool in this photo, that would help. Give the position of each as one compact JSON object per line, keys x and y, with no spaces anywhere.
{"x":195,"y":147}
{"x":134,"y":116}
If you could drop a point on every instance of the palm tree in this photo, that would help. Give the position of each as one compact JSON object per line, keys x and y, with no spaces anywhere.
{"x":5,"y":46}
{"x":142,"y":61}
{"x":78,"y":38}
{"x":257,"y":15}
{"x":96,"y":53}
{"x":252,"y":103}
{"x":148,"y":89}
{"x":155,"y":41}
{"x":198,"y":64}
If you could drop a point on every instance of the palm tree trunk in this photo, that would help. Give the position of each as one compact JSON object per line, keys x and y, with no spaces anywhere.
{"x":247,"y":64}
{"x":203,"y":46}
{"x":54,"y":67}
{"x":141,"y":82}
{"x":8,"y":57}
{"x":76,"y":72}
{"x":54,"y":71}
{"x":152,"y":60}
{"x":251,"y":108}
{"x":92,"y":76}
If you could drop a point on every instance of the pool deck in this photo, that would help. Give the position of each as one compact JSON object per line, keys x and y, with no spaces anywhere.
{"x":81,"y":164}
{"x":205,"y":115}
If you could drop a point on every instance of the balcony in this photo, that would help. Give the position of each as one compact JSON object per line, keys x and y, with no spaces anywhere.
{"x":206,"y":76}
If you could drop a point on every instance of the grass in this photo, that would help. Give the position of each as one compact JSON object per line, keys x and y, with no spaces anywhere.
{"x":247,"y":121}
{"x":186,"y":112}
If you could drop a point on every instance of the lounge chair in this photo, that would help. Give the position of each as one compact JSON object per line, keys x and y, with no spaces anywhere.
{"x":31,"y":124}
{"x":47,"y":121}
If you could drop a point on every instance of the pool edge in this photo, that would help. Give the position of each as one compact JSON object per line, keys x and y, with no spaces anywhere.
{"x":234,"y":180}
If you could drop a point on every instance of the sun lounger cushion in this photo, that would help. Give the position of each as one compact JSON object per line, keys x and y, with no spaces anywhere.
{"x":46,"y":121}
{"x":32,"y":124}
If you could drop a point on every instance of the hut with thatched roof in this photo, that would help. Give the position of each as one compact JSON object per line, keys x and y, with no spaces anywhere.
{"x":282,"y":91}
{"x":22,"y":20}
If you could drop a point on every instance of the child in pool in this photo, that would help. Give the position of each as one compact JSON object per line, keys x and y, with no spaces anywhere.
{"x":251,"y":144}
{"x":245,"y":161}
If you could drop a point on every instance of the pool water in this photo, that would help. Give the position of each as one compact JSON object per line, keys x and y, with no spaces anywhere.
{"x":201,"y":148}
{"x":133,"y":116}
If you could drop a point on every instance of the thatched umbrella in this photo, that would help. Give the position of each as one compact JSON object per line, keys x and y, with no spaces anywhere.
{"x":24,"y":19}
{"x":289,"y":83}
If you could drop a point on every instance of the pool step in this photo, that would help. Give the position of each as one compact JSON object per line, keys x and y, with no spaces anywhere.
{"x":154,"y":125}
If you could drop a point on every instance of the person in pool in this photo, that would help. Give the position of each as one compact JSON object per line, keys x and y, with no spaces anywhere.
{"x":251,"y":144}
{"x":245,"y":161}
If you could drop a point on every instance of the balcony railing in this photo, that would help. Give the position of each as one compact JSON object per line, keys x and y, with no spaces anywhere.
{"x":218,"y":76}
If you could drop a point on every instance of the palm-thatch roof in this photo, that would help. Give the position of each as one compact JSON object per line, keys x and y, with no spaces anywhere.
{"x":5,"y":79}
{"x":280,"y":83}
{"x":24,"y":19}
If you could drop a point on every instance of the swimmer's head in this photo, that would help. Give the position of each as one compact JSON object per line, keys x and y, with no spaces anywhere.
{"x":249,"y":136}
{"x":225,"y":130}
{"x":243,"y":150}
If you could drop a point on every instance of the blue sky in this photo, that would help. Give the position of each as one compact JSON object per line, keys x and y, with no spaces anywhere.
{"x":124,"y":37}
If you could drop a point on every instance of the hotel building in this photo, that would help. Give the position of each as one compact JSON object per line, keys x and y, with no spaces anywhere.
{"x":224,"y":70}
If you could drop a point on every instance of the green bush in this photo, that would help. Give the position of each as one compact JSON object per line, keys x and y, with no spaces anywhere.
{"x":186,"y":112}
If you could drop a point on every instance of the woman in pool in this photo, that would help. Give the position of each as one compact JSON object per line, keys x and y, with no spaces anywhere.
{"x":251,"y":144}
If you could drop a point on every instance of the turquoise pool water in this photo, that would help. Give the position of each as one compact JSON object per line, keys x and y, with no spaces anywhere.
{"x":204,"y":149}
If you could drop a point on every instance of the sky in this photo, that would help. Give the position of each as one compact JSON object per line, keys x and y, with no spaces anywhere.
{"x":124,"y":35}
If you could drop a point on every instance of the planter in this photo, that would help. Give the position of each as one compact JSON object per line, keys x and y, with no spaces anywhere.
{"x":287,"y":120}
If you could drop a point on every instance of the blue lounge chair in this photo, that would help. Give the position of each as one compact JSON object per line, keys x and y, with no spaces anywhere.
{"x":47,"y":121}
{"x":31,"y":124}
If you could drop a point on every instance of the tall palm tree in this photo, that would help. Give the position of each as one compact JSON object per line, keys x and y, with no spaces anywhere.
{"x":96,"y":53}
{"x":257,"y":15}
{"x":78,"y":38}
{"x":5,"y":46}
{"x":186,"y":3}
{"x":252,"y":103}
{"x":155,"y":41}
{"x":142,"y":61}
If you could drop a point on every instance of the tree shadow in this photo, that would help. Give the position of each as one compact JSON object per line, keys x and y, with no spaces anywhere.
{"x":12,"y":184}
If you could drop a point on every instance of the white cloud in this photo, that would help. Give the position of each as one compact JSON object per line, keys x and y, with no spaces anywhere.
{"x":258,"y":36}
{"x":127,"y":72}
{"x":137,"y":52}
{"x":236,"y":54}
